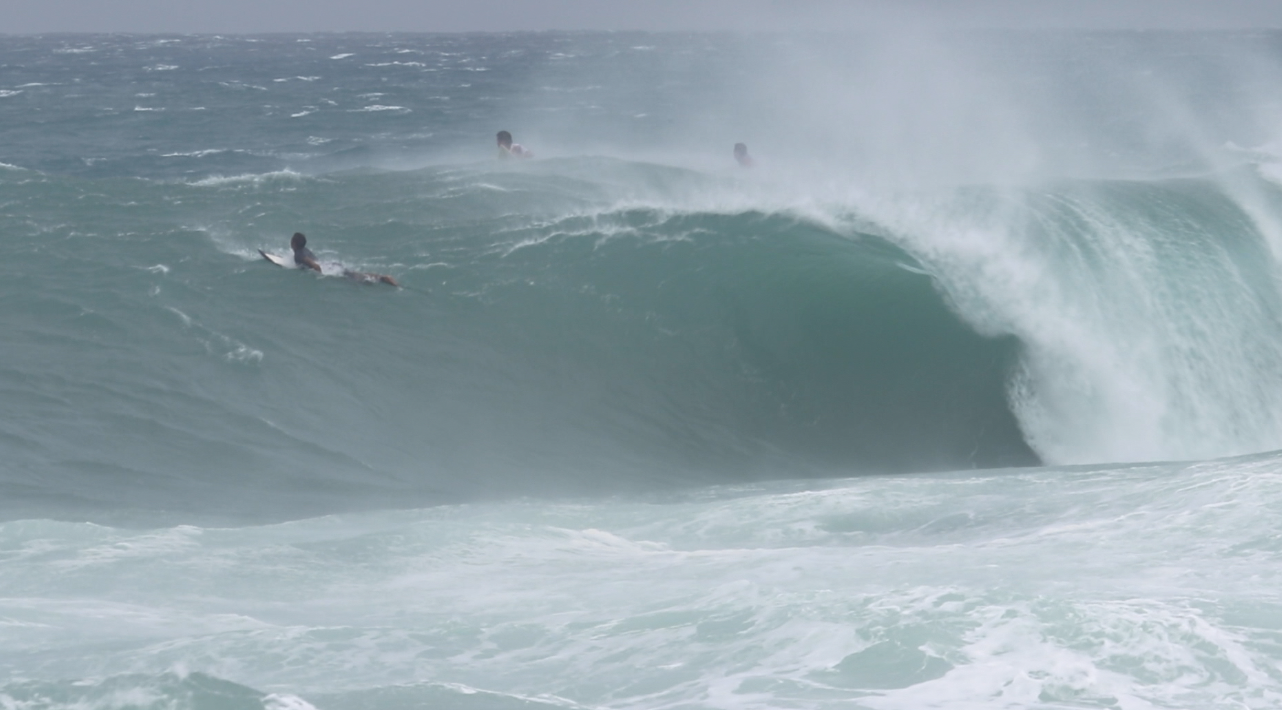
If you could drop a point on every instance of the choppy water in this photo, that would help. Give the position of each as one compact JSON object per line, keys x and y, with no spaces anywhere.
{"x":884,"y":422}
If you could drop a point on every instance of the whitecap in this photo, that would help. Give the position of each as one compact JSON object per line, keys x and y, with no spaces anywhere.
{"x":379,"y":107}
{"x":276,"y":701}
{"x":186,"y":318}
{"x":195,"y":154}
{"x":300,"y":114}
{"x":242,"y":352}
{"x":219,"y":180}
{"x":6,"y":93}
{"x":342,"y":56}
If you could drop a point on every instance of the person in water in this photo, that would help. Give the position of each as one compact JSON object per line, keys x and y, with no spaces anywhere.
{"x":741,"y":156}
{"x":508,"y":149}
{"x":304,"y":257}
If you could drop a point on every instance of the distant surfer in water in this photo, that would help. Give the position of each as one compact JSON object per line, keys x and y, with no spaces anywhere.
{"x":741,"y":156}
{"x":304,"y":257}
{"x":508,"y":149}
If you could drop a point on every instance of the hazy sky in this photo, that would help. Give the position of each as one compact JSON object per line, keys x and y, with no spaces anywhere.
{"x":227,"y":16}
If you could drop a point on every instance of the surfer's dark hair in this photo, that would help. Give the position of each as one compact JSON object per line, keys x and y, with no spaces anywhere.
{"x":298,"y":241}
{"x":505,"y":138}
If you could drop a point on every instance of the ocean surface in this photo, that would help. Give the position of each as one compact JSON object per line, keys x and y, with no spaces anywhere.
{"x":968,"y":395}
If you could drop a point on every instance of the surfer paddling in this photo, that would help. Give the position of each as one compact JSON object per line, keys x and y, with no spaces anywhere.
{"x":508,"y":149}
{"x":304,"y":257}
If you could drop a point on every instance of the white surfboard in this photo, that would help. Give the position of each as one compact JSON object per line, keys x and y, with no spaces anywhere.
{"x":277,"y":260}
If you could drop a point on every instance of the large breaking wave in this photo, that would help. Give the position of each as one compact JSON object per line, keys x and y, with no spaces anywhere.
{"x":593,"y":326}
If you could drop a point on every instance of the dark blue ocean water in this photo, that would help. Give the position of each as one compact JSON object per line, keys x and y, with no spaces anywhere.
{"x":965,"y":396}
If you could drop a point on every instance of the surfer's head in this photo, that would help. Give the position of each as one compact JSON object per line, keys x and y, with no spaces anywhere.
{"x":740,"y":151}
{"x":298,"y":241}
{"x":505,"y":139}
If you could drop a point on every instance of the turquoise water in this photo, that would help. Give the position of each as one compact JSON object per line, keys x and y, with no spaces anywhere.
{"x":967,"y":396}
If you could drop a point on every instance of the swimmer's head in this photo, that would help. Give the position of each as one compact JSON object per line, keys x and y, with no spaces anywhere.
{"x":740,"y":150}
{"x":505,"y":139}
{"x":298,"y":241}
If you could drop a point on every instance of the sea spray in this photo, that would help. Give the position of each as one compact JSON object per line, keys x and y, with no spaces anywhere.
{"x":1148,"y":314}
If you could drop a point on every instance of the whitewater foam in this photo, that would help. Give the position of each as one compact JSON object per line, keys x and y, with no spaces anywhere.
{"x":769,"y":592}
{"x":220,"y":180}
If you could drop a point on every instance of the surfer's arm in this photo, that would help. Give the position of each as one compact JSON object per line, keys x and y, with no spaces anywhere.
{"x":310,"y":263}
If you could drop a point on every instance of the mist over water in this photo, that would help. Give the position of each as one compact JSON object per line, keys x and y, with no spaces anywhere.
{"x":878,"y":423}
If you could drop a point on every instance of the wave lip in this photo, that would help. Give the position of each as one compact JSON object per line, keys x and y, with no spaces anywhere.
{"x":1147,"y":312}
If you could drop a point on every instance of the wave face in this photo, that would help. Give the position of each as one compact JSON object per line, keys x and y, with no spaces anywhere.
{"x":588,"y":348}
{"x":968,"y":393}
{"x":562,"y":334}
